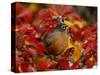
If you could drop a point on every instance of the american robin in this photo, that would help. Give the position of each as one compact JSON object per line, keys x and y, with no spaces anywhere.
{"x":56,"y":42}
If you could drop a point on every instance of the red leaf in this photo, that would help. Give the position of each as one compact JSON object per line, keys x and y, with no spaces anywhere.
{"x":19,"y":7}
{"x":89,"y":63}
{"x":44,"y":14}
{"x":75,"y":65}
{"x":76,"y":33}
{"x":38,"y":45}
{"x":52,"y":65}
{"x":43,"y":65}
{"x":24,"y":67}
{"x":66,"y":9}
{"x":26,"y":15}
{"x":30,"y":51}
{"x":63,"y":63}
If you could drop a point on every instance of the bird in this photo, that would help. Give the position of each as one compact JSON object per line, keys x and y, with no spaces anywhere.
{"x":56,"y":42}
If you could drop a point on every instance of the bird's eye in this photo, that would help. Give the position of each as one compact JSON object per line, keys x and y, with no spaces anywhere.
{"x":63,"y":27}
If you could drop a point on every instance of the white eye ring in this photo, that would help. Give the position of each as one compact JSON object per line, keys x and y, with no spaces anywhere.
{"x":63,"y":27}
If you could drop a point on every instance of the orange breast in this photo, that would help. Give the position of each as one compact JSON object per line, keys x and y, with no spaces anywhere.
{"x":58,"y":44}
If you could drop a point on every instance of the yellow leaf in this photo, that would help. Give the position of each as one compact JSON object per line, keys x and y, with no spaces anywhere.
{"x":68,"y":23}
{"x":34,"y":7}
{"x":81,"y":23}
{"x":77,"y":51}
{"x":69,"y":44}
